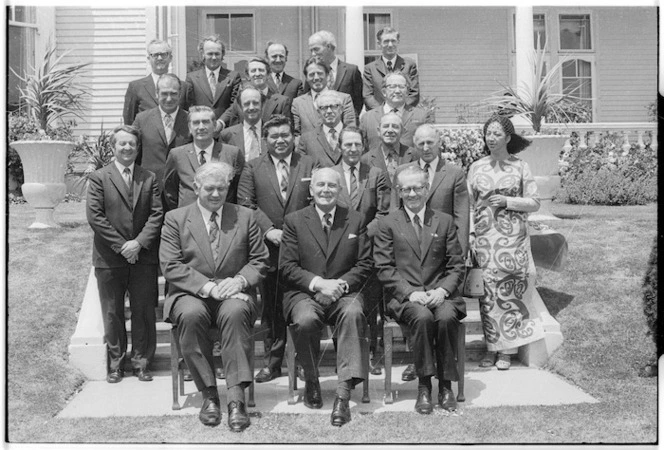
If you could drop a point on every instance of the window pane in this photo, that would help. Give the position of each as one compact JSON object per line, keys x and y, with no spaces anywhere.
{"x":569,"y":69}
{"x":583,"y":68}
{"x":242,"y":33}
{"x":575,"y":32}
{"x":20,"y":57}
{"x":220,"y":24}
{"x":539,"y":30}
{"x":373,"y":22}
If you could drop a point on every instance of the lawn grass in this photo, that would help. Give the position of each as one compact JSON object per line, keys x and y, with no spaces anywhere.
{"x":597,"y":301}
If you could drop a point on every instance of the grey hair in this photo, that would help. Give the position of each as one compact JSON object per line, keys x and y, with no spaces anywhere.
{"x":212,"y":168}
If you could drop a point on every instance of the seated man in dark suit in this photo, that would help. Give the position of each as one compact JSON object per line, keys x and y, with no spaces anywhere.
{"x":277,"y":55}
{"x":124,"y":211}
{"x":162,"y":128}
{"x":183,"y":161}
{"x":272,"y":103}
{"x":213,"y":256}
{"x":420,"y":264}
{"x":390,"y":61}
{"x":322,"y":144}
{"x":324,"y":262}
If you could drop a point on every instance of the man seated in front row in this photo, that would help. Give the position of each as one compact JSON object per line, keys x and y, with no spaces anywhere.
{"x":419,"y":262}
{"x":213,"y":256}
{"x":325,"y":260}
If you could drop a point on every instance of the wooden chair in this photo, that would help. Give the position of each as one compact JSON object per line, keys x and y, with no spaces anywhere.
{"x":392,"y":329}
{"x":292,"y":376}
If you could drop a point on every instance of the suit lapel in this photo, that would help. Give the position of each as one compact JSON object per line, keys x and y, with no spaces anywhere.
{"x":119,"y":183}
{"x":362,"y":182}
{"x":339,"y":225}
{"x":428,"y":230}
{"x":268,"y":108}
{"x":270,"y":171}
{"x":331,"y":153}
{"x":137,"y":184}
{"x":149,"y":87}
{"x":399,"y":64}
{"x":312,"y":114}
{"x":313,"y":223}
{"x":441,"y":170}
{"x":408,"y":232}
{"x":293,"y":175}
{"x":341,"y":71}
{"x":200,"y":234}
{"x":204,"y":84}
{"x":221,"y":86}
{"x":227,"y":233}
{"x":380,"y":66}
{"x":180,"y":127}
{"x":191,"y":155}
{"x":159,"y":125}
{"x":406,"y":116}
{"x":344,"y":193}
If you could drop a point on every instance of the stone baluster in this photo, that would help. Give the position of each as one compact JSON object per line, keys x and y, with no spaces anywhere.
{"x":568,"y":146}
{"x":639,"y":142}
{"x":653,"y":141}
{"x":583,"y":136}
{"x":626,"y":145}
{"x":597,"y":137}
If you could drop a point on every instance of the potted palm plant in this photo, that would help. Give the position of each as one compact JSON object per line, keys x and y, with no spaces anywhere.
{"x":41,"y":132}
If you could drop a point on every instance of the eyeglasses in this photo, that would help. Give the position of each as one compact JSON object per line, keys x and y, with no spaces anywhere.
{"x":352,"y":145}
{"x":324,"y":107}
{"x":417,"y":190}
{"x":162,"y":55}
{"x":395,"y":86}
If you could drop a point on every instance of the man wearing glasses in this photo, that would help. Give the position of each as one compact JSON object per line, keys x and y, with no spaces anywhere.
{"x":322,"y":143}
{"x":395,"y":91}
{"x":142,"y":93}
{"x":420,"y":264}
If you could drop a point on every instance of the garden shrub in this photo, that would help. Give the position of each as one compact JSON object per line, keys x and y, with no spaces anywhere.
{"x":462,"y":147}
{"x":606,"y":175}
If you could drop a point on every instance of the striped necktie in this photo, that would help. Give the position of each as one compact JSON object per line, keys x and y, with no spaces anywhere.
{"x":353,"y":188}
{"x":283,"y":168}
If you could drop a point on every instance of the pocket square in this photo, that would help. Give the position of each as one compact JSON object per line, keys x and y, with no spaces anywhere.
{"x":304,"y":180}
{"x":352,"y":236}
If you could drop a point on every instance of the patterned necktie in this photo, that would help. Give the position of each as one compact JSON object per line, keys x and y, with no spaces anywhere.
{"x":213,"y":83}
{"x":214,"y":235}
{"x":427,"y":166}
{"x":168,"y":126}
{"x":201,"y":158}
{"x":353,"y":188}
{"x":391,"y":164}
{"x":389,"y":66}
{"x":277,"y":78}
{"x":332,"y":138}
{"x":330,"y":79}
{"x":327,"y":224}
{"x":283,"y":168}
{"x":417,"y":225}
{"x":126,"y":174}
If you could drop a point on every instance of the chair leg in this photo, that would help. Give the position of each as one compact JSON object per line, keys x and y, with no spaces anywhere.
{"x":290,"y":362}
{"x":461,"y":363}
{"x":387,"y":344}
{"x":175,"y":369}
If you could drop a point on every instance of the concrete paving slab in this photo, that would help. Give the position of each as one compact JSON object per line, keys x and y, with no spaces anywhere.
{"x":519,"y":386}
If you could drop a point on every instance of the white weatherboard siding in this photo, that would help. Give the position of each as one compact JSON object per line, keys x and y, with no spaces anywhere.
{"x":114,"y":41}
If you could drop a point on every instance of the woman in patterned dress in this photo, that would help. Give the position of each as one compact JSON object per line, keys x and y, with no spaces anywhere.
{"x":503,"y":191}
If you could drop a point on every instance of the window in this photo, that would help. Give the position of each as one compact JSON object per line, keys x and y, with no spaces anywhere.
{"x":21,"y":49}
{"x":575,"y":32}
{"x":374,"y":22}
{"x":577,"y":81}
{"x":539,"y":31}
{"x":235,"y":29}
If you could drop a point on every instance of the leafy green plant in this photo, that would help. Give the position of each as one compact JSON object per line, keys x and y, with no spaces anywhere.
{"x":537,"y":99}
{"x":428,"y":104}
{"x":462,"y":146}
{"x":96,"y":152}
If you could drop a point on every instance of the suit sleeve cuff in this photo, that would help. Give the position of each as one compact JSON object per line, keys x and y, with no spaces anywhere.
{"x":313,"y":283}
{"x":204,"y":292}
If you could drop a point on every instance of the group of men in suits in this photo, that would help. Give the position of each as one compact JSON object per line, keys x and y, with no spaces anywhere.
{"x":320,"y":215}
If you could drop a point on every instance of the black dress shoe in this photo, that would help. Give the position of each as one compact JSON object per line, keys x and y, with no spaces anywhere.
{"x":340,"y":412}
{"x":265,"y":374}
{"x":446,"y":400}
{"x":409,"y":373}
{"x":210,"y":414}
{"x":142,"y":374}
{"x":115,"y":376}
{"x":312,"y":395}
{"x":238,"y":419}
{"x":186,"y":375}
{"x":423,"y":405}
{"x":219,"y":373}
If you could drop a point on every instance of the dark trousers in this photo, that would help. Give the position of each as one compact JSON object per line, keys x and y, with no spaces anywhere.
{"x":234,"y":318}
{"x":346,"y":316}
{"x":140,"y":280}
{"x":272,"y":295}
{"x":432,"y":330}
{"x":373,"y":306}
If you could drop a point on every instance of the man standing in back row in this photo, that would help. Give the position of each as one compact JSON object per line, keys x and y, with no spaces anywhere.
{"x":282,"y":83}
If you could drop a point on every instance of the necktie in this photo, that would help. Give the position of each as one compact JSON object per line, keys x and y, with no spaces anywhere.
{"x":427,"y":166}
{"x":213,"y":83}
{"x":389,"y":66}
{"x":254,"y":149}
{"x":168,"y":126}
{"x":353,"y":187}
{"x":417,"y":225}
{"x":283,"y":168}
{"x":126,"y":174}
{"x":332,"y":138}
{"x":201,"y":158}
{"x":277,"y":78}
{"x":327,"y":224}
{"x":214,"y":234}
{"x":391,"y":164}
{"x":330,"y":79}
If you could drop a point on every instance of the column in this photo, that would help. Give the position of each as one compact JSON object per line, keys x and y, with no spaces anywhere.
{"x":355,"y":36}
{"x":524,"y":46}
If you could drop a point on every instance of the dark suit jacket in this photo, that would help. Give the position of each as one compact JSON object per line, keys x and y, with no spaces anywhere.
{"x":154,"y":147}
{"x":405,"y":265}
{"x":448,"y":193}
{"x":235,"y":136}
{"x":374,"y":158}
{"x":411,"y":119}
{"x":259,"y":190}
{"x":306,"y":253}
{"x":373,"y":75}
{"x":141,"y":96}
{"x":373,"y":194}
{"x":181,"y":166}
{"x":273,"y":103}
{"x":186,"y":256}
{"x":289,"y":86}
{"x":314,"y":143}
{"x":115,"y":220}
{"x":306,"y":117}
{"x":198,"y":93}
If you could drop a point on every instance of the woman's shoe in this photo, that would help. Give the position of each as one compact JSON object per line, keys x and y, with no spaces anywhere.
{"x":488,"y":359}
{"x":504,"y":361}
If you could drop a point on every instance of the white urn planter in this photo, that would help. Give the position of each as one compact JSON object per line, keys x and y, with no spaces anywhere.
{"x":44,"y":166}
{"x":542,"y":157}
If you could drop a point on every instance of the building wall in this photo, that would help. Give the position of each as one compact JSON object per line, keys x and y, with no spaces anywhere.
{"x":114,"y":41}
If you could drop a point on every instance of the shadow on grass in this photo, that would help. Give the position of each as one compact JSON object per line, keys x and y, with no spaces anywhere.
{"x":568,"y":216}
{"x":555,"y":301}
{"x":72,"y":224}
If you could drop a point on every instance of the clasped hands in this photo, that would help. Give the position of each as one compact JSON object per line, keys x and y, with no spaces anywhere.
{"x":431,"y":298}
{"x":329,"y":291}
{"x":227,"y":288}
{"x":130,"y":251}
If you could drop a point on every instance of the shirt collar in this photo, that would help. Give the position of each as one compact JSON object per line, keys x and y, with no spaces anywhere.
{"x":419,"y":214}
{"x":155,"y":77}
{"x":287,"y":159}
{"x":334,"y":64}
{"x":173,"y":114}
{"x":207,"y":213}
{"x":215,"y":72}
{"x":207,"y":150}
{"x":321,"y":213}
{"x":346,"y":167}
{"x":433,"y":164}
{"x":393,"y":61}
{"x":121,"y":167}
{"x":259,"y":127}
{"x":385,"y":151}
{"x":338,"y":128}
{"x":388,"y":109}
